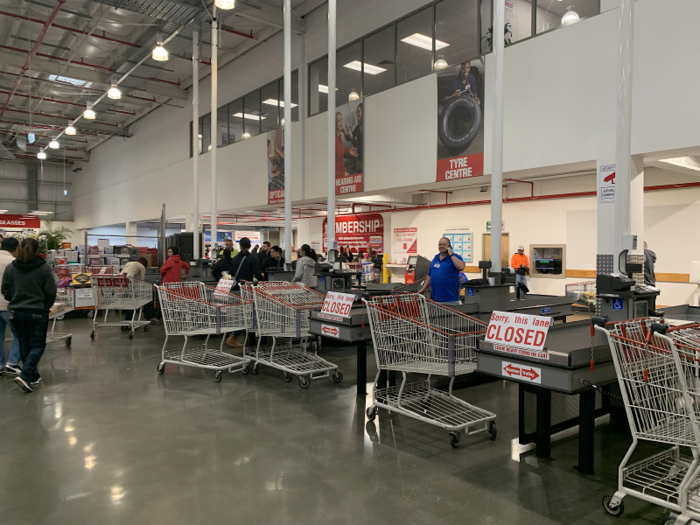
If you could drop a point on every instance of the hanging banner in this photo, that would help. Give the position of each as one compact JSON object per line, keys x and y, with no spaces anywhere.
{"x":19,"y":221}
{"x":359,"y":232}
{"x":349,"y":148}
{"x":405,"y":241}
{"x":461,"y":121}
{"x":275,"y":166}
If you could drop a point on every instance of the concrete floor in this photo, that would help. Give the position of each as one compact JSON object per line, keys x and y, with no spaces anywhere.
{"x":106,"y":440}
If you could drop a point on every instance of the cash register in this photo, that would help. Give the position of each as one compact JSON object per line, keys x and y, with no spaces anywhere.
{"x":416,"y":269}
{"x":620,"y":297}
{"x":332,"y":275}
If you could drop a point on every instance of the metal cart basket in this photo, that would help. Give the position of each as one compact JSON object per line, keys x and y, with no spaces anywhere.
{"x":412,"y":334}
{"x":63,"y":305}
{"x":119,"y":292}
{"x":282,"y":311}
{"x":192,"y":308}
{"x":660,"y":388}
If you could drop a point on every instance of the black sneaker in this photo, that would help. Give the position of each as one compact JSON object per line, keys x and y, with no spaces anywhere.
{"x":23,"y":385}
{"x":36,"y":381}
{"x":13,"y":369}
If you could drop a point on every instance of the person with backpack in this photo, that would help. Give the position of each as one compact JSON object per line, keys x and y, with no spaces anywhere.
{"x":8,"y":253}
{"x":245,"y":268}
{"x":29,"y":286}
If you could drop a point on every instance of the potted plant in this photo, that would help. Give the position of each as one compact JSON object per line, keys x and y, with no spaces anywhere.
{"x":50,"y":239}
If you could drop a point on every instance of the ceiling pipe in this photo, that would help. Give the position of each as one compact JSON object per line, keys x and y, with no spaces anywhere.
{"x":131,"y":70}
{"x":70,"y":29}
{"x":532,"y":185}
{"x":8,"y":132}
{"x":53,"y":100}
{"x":33,"y":51}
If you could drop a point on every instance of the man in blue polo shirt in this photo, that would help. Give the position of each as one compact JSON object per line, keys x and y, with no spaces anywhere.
{"x":443,"y":277}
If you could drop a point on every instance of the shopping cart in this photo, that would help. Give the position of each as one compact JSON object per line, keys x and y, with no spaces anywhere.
{"x":192,"y":308}
{"x":412,"y":334}
{"x":282,"y":311}
{"x":659,"y":383}
{"x":119,"y":292}
{"x":64,"y":303}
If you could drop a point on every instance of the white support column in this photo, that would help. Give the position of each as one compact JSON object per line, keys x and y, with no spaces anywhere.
{"x":331,"y":122}
{"x":637,"y":202}
{"x":288,"y":129}
{"x":623,"y":140}
{"x":302,"y":111}
{"x":195,"y":143}
{"x":497,"y":140}
{"x":131,"y":229}
{"x":605,"y":205}
{"x":214,"y":124}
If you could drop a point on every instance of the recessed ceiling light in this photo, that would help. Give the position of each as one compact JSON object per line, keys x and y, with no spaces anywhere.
{"x":324,"y":89}
{"x":280,"y":103}
{"x":248,"y":116}
{"x":369,"y":68}
{"x":422,"y":41}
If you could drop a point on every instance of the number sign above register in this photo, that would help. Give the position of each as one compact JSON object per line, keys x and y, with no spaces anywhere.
{"x":337,"y":305}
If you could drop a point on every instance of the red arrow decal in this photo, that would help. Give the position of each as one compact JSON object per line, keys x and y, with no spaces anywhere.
{"x":330,"y":331}
{"x":512,"y":370}
{"x":530,"y":374}
{"x":610,"y":178}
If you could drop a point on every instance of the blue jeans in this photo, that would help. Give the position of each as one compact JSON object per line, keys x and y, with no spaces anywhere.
{"x":13,"y":359}
{"x":30,"y":327}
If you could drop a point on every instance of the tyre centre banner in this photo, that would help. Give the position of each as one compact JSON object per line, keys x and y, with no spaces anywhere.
{"x":461,"y":121}
{"x":349,"y":147}
{"x":359,"y":232}
{"x":275,"y":166}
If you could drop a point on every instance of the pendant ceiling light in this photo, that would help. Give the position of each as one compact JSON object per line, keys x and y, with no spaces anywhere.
{"x":353,"y":96}
{"x":31,"y":138}
{"x":89,"y":113}
{"x":160,"y":54}
{"x":440,"y":63}
{"x":246,"y":135}
{"x":114,"y":93}
{"x":570,"y":17}
{"x":226,"y":5}
{"x":41,"y":155}
{"x":53,"y":144}
{"x":70,"y":130}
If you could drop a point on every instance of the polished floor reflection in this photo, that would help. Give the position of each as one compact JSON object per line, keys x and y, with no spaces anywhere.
{"x":106,"y":440}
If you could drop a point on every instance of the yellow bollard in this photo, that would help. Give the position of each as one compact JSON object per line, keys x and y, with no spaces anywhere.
{"x":385,"y":271}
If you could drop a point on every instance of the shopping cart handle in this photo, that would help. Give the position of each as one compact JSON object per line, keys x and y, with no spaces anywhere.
{"x":656,"y":328}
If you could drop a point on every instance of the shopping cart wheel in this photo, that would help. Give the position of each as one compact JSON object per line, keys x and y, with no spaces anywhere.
{"x":61,"y":317}
{"x":161,"y":369}
{"x":670,"y":521}
{"x":92,"y":335}
{"x":245,"y":370}
{"x":304,"y":382}
{"x":145,"y":328}
{"x":256,"y":368}
{"x":217,"y":375}
{"x":372,"y":412}
{"x":493,"y":431}
{"x":613,"y":511}
{"x":337,"y":377}
{"x":131,"y":335}
{"x":69,"y":340}
{"x":287,"y":377}
{"x":454,"y":439}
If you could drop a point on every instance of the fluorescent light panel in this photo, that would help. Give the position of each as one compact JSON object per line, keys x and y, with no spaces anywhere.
{"x":424,"y":42}
{"x":683,"y":162}
{"x":324,"y":89}
{"x":41,"y":213}
{"x":273,"y":102}
{"x":369,"y":68}
{"x":248,"y":116}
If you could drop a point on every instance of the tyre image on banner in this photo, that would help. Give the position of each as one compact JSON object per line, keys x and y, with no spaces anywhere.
{"x":461,"y":121}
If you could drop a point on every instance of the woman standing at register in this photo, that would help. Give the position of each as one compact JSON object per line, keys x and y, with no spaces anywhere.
{"x":443,"y":276}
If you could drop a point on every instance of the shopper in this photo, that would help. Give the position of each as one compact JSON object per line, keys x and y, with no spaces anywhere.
{"x":29,"y":287}
{"x":295,"y":254}
{"x":228,"y":245}
{"x":443,"y":276}
{"x":378,"y":267}
{"x":273,"y":261}
{"x":255,"y":249}
{"x":134,"y":270}
{"x":244,"y":268}
{"x":225,"y":264}
{"x":306,"y":267}
{"x":263,"y":254}
{"x":649,"y":262}
{"x":171,"y":271}
{"x":360,"y":256}
{"x":348,"y":254}
{"x":520,"y":263}
{"x":8,"y":253}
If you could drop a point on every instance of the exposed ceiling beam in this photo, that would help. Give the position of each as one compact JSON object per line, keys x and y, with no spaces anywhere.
{"x":268,"y":15}
{"x":52,"y":123}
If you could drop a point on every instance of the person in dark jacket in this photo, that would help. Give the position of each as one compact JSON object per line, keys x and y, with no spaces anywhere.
{"x":28,"y":285}
{"x":249,"y":269}
{"x":274,"y":260}
{"x":263,"y":254}
{"x":225,"y":264}
{"x":649,"y":262}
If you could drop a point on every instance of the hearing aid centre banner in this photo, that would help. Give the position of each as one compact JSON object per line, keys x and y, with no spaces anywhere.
{"x":461,"y":121}
{"x":275,"y":166}
{"x":349,"y":147}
